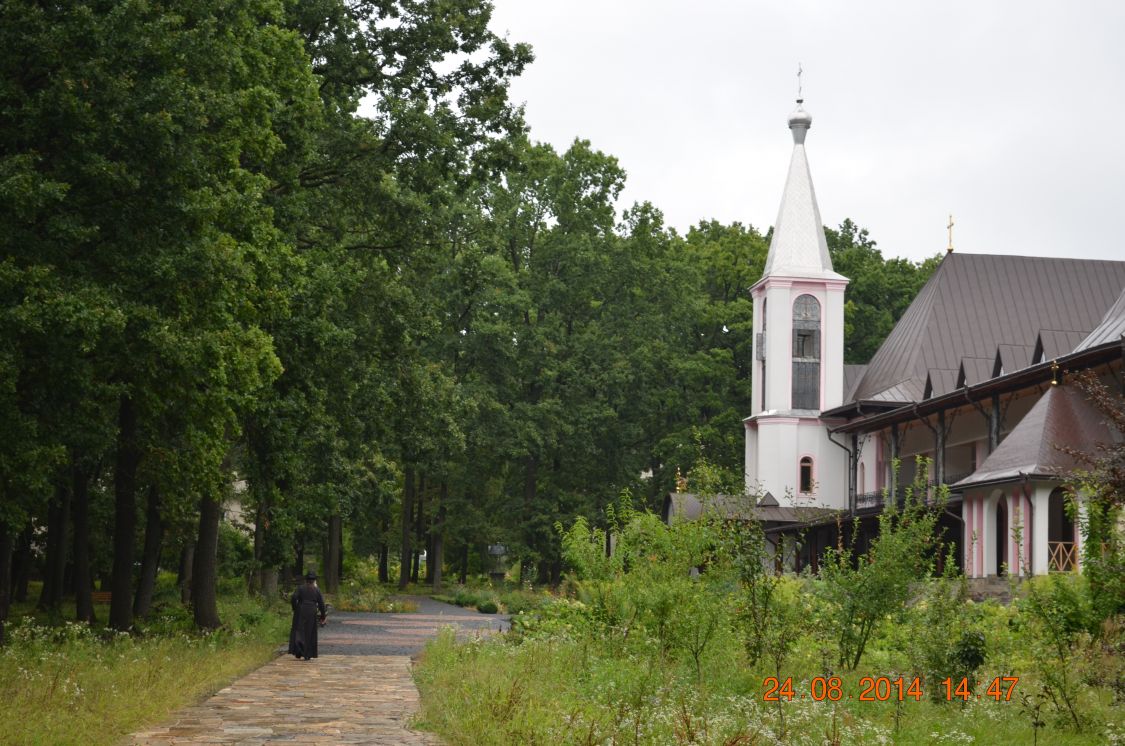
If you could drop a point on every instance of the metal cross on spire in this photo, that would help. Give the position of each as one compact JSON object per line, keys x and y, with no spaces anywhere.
{"x":800,"y":97}
{"x":949,"y":249}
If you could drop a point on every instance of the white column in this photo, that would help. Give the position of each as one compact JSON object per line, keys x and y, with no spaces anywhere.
{"x":967,"y":548}
{"x":1040,"y":551}
{"x":752,"y":472}
{"x":779,"y":346}
{"x":988,"y":533}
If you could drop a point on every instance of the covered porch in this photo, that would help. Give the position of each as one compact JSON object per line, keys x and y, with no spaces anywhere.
{"x":1020,"y":519}
{"x":1020,"y":529}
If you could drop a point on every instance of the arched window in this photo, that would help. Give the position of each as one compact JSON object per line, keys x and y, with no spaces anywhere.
{"x":806,"y":353}
{"x":806,"y":475}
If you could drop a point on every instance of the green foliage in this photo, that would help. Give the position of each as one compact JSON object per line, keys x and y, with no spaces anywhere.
{"x":1059,"y":616}
{"x":859,"y":592}
{"x":1101,"y":482}
{"x":362,"y":591}
{"x":880,"y":289}
{"x":561,"y":679}
{"x":557,"y":618}
{"x":522,"y":601}
{"x":235,"y":553}
{"x":659,"y":645}
{"x":943,"y":632}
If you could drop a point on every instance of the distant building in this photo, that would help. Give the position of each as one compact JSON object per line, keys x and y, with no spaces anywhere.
{"x":972,"y":378}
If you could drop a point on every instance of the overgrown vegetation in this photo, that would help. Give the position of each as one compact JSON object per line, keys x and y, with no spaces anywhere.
{"x":674,"y":638}
{"x":73,"y":683}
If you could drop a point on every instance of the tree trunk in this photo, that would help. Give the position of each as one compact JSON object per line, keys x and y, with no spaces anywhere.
{"x":150,"y":559}
{"x":437,"y":537}
{"x":419,"y":528}
{"x":5,"y":576}
{"x":299,"y":557}
{"x":332,"y":561}
{"x":464,"y":564}
{"x":530,"y":487}
{"x":407,"y":518}
{"x":340,"y":554}
{"x":187,"y":564}
{"x":384,"y":562}
{"x":261,"y":520}
{"x":124,"y":517}
{"x":21,"y":570}
{"x":420,"y":531}
{"x":205,"y":572}
{"x":83,"y":577}
{"x":269,"y":583}
{"x":54,"y":570}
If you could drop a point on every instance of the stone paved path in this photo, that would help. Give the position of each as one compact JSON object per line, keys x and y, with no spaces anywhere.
{"x":358,"y":691}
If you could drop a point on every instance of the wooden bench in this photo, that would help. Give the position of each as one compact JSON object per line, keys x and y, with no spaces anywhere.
{"x":101,"y":597}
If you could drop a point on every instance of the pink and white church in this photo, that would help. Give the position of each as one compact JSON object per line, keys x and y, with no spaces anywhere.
{"x":971,"y":385}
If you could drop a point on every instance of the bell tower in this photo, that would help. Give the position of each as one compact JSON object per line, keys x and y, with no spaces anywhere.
{"x":798,"y":350}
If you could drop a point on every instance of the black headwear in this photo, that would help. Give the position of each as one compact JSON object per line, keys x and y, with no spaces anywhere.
{"x":310,"y":576}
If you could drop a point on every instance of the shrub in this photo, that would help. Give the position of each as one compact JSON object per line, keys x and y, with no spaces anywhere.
{"x":517,"y":602}
{"x":487,"y":607}
{"x":943,"y":633}
{"x":561,"y":618}
{"x":859,"y":593}
{"x":1059,"y":617}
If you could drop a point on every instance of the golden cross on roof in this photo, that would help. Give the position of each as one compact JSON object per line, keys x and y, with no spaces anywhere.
{"x":949,"y":248}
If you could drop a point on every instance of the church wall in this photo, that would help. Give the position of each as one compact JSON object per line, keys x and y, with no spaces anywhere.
{"x":774,"y":449}
{"x":832,"y":389}
{"x":779,"y":345}
{"x":751,"y":462}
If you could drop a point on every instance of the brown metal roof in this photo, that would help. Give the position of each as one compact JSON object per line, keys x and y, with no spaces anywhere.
{"x":1110,"y":330}
{"x":687,"y":506}
{"x":852,"y":374}
{"x":940,"y":381}
{"x":1061,"y":417}
{"x":974,"y":303}
{"x":974,"y":370}
{"x":1011,"y":358}
{"x":1055,"y":342}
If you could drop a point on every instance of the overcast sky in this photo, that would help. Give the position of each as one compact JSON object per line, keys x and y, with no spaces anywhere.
{"x":1008,"y":114}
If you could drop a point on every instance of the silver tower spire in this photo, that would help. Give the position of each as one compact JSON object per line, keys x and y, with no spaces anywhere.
{"x":798,"y":248}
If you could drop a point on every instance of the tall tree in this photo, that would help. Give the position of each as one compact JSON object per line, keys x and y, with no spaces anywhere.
{"x":144,"y":140}
{"x":880,"y":289}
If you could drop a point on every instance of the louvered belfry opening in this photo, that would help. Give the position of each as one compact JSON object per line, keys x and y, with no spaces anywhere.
{"x":806,"y":353}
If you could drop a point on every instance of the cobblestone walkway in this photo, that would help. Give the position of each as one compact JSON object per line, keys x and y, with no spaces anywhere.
{"x":358,"y":691}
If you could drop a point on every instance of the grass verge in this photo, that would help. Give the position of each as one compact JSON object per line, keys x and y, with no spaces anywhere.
{"x":74,"y":684}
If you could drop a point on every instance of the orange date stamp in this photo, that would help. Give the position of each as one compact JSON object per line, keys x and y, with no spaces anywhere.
{"x":885,"y":688}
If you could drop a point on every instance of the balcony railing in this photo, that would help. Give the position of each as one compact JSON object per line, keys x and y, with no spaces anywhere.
{"x":877,"y":499}
{"x":956,"y":477}
{"x":1062,"y":556}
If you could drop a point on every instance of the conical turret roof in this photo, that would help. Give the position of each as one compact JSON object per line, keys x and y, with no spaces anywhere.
{"x":798,"y":248}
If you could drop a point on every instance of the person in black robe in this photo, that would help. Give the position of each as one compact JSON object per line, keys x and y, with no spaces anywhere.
{"x":308,"y":612}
